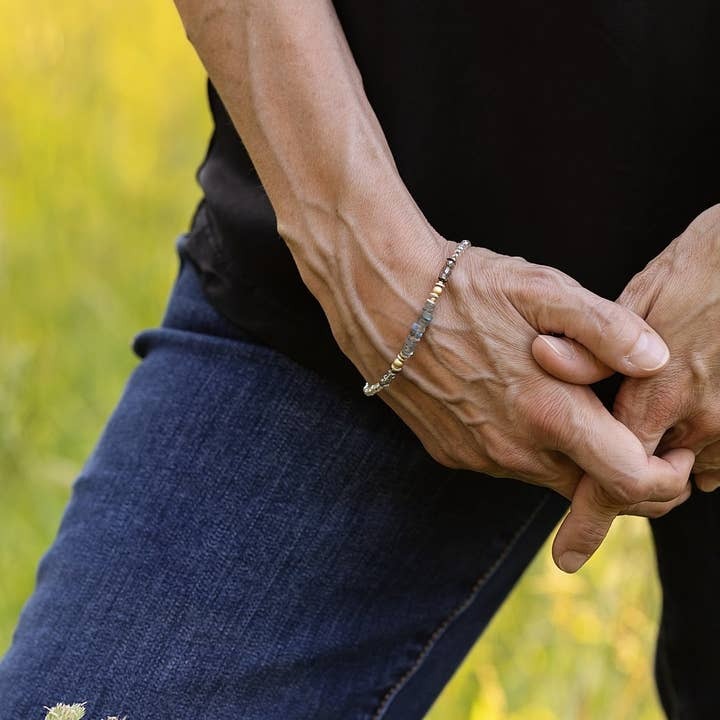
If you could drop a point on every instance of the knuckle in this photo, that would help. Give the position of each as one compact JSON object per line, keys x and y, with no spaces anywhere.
{"x":638,"y":292}
{"x":623,"y":492}
{"x":706,"y":220}
{"x":506,"y":456}
{"x":553,"y":285}
{"x":443,"y":457}
{"x":610,"y":321}
{"x":541,"y":281}
{"x":456,"y":457}
{"x":656,"y":511}
{"x":651,"y":510}
{"x":699,"y":377}
{"x":495,"y":449}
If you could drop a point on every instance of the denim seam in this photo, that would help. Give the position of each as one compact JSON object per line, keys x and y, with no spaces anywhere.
{"x":391,"y":694}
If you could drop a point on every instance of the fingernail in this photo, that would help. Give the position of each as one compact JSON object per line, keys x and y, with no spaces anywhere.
{"x":559,"y":347}
{"x":571,"y":561}
{"x":649,"y":352}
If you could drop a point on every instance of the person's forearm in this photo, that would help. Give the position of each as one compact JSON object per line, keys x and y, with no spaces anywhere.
{"x":294,"y":93}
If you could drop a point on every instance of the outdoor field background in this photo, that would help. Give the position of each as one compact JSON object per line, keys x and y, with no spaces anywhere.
{"x":102,"y":124}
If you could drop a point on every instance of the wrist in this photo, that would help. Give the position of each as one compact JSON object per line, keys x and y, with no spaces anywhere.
{"x":367,"y":229}
{"x":369,"y":257}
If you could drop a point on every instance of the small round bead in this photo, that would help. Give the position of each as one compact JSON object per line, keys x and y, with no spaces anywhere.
{"x":397,"y":365}
{"x":432,"y":297}
{"x":437,"y":289}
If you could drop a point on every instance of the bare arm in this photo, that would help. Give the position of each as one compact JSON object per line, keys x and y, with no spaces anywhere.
{"x":473,"y":394}
{"x":294,"y":93}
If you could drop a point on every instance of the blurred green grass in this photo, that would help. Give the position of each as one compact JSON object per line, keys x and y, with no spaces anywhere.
{"x":102,"y":124}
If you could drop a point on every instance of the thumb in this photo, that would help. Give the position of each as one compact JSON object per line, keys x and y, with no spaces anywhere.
{"x":614,"y":335}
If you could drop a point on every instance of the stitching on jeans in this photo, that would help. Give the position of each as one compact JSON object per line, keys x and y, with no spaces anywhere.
{"x":459,"y":610}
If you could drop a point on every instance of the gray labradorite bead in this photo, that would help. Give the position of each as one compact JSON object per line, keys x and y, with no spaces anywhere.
{"x":419,"y":326}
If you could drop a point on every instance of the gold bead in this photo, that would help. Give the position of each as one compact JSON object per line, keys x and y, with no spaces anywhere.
{"x":437,"y":289}
{"x":397,"y":364}
{"x":432,"y":298}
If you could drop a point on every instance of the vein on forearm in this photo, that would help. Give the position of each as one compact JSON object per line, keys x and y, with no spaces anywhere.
{"x":295,"y":95}
{"x":288,"y":79}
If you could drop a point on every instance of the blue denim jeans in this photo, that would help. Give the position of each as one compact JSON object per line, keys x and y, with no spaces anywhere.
{"x":249,"y":540}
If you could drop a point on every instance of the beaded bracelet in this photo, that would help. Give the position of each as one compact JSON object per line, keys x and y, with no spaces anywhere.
{"x":419,"y":326}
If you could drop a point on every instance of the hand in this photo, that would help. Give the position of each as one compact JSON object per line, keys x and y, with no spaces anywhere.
{"x":678,"y":293}
{"x":472,"y":394}
{"x":477,"y":400}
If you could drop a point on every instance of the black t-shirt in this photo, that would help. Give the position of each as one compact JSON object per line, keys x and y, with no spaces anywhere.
{"x":581,"y":135}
